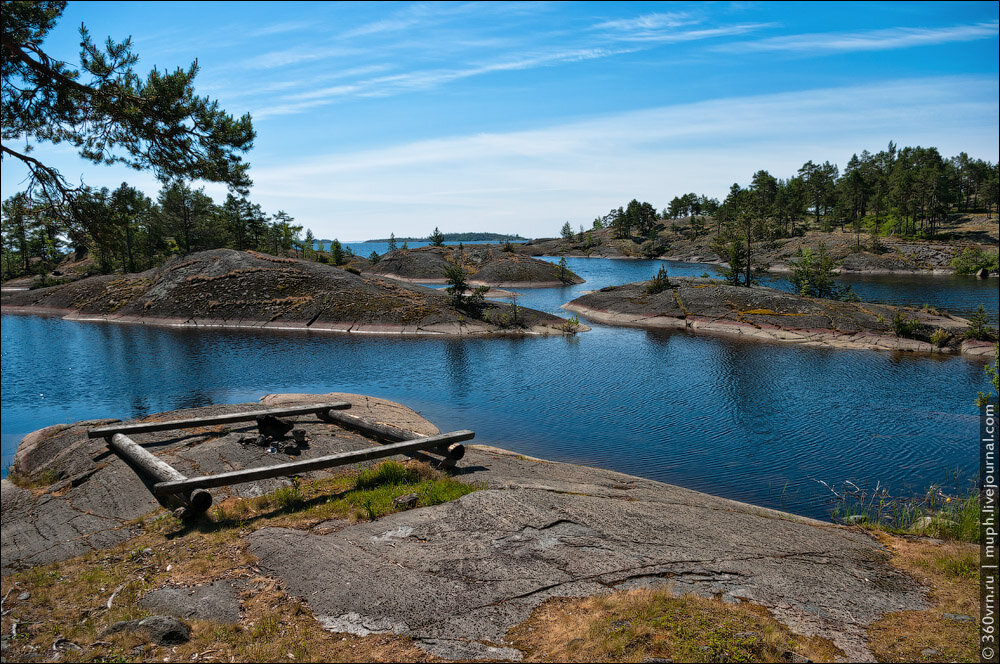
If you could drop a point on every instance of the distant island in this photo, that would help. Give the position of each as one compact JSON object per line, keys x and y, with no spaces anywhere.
{"x":460,"y":237}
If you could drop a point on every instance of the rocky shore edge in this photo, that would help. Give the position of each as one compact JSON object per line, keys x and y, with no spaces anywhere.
{"x":711,"y":307}
{"x":455,"y":578}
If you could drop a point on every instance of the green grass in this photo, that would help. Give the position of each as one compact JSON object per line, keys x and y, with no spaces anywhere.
{"x":376,"y":488}
{"x":934,"y":514}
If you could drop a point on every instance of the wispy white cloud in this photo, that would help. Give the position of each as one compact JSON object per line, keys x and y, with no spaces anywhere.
{"x":410,"y":17}
{"x":299,"y":54}
{"x":385,"y":86}
{"x":647,"y":22}
{"x":666,"y":28}
{"x":517,"y":180}
{"x":677,"y":36}
{"x":871,"y":40}
{"x":278,"y":28}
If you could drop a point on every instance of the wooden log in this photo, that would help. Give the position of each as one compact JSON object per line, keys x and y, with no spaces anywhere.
{"x":298,"y":467}
{"x":156,"y":470}
{"x":384,"y":432}
{"x":143,"y":427}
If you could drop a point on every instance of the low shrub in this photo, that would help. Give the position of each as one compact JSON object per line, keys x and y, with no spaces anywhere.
{"x":940,"y":338}
{"x":904,"y":327}
{"x":972,"y":259}
{"x":979,"y":327}
{"x":659,"y":283}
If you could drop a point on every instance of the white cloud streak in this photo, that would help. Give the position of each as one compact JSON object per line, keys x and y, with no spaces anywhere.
{"x":385,"y":86}
{"x":518,"y":180}
{"x":872,"y":40}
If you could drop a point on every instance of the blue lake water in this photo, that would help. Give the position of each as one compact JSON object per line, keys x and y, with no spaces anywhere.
{"x":758,"y":422}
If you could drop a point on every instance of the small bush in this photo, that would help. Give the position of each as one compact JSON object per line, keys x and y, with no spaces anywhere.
{"x":352,"y":270}
{"x":979,"y":326}
{"x":940,"y":338}
{"x":972,"y":259}
{"x":571,"y":325}
{"x":659,"y":283}
{"x":904,"y":327}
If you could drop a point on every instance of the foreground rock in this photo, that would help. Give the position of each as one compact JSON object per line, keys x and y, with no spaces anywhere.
{"x":456,"y":577}
{"x":706,"y":305}
{"x":486,"y":265}
{"x":73,"y":495}
{"x":226,"y":288}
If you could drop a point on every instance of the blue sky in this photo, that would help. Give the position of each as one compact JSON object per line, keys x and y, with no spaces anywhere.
{"x":510,"y":117}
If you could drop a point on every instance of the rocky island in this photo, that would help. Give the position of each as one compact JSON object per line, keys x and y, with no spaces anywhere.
{"x":485,"y":265}
{"x":228,"y":288}
{"x":472,"y":564}
{"x":713,"y":306}
{"x":691,"y":240}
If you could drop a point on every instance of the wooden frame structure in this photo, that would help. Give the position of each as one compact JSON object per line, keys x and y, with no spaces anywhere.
{"x":170,"y":486}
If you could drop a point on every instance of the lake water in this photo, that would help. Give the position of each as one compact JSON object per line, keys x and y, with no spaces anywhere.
{"x":757,"y":422}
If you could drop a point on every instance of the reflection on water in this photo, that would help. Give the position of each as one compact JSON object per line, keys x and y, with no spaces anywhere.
{"x":753,"y":421}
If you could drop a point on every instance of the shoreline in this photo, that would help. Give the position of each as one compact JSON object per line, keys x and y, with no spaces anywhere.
{"x":822,"y":338}
{"x":493,"y":285}
{"x":434,"y":330}
{"x":600,"y":531}
{"x":782,"y":268}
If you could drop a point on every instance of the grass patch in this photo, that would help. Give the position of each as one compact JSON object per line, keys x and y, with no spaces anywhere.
{"x":934,"y":514}
{"x":643,"y":624}
{"x":70,"y":599}
{"x":951,"y":572}
{"x":41,"y":480}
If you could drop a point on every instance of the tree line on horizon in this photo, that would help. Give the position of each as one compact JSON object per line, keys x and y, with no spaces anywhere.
{"x":906,"y":191}
{"x":126,"y":231}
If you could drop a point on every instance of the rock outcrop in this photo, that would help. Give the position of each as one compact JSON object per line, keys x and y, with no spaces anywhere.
{"x":457,"y":576}
{"x":485,"y":265}
{"x":227,"y":288}
{"x":707,"y":305}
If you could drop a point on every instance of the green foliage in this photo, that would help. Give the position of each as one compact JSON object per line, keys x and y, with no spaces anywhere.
{"x":993,"y":375}
{"x":477,"y":300}
{"x":697,"y":225}
{"x":108,"y":112}
{"x":979,"y":327}
{"x":659,"y":283}
{"x":972,"y":259}
{"x":563,"y":270}
{"x":373,"y":257}
{"x":437,"y":237}
{"x":813,"y":276}
{"x":934,"y":513}
{"x":940,"y":338}
{"x":571,"y":325}
{"x":567,"y":232}
{"x":336,"y":252}
{"x":457,"y":285}
{"x":375,"y":488}
{"x":904,"y":327}
{"x":734,"y":254}
{"x":386,"y":473}
{"x":392,"y":242}
{"x":288,"y":497}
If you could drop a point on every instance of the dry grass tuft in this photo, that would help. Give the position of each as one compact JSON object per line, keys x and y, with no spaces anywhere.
{"x":69,"y":599}
{"x":950,"y":570}
{"x":642,"y":624}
